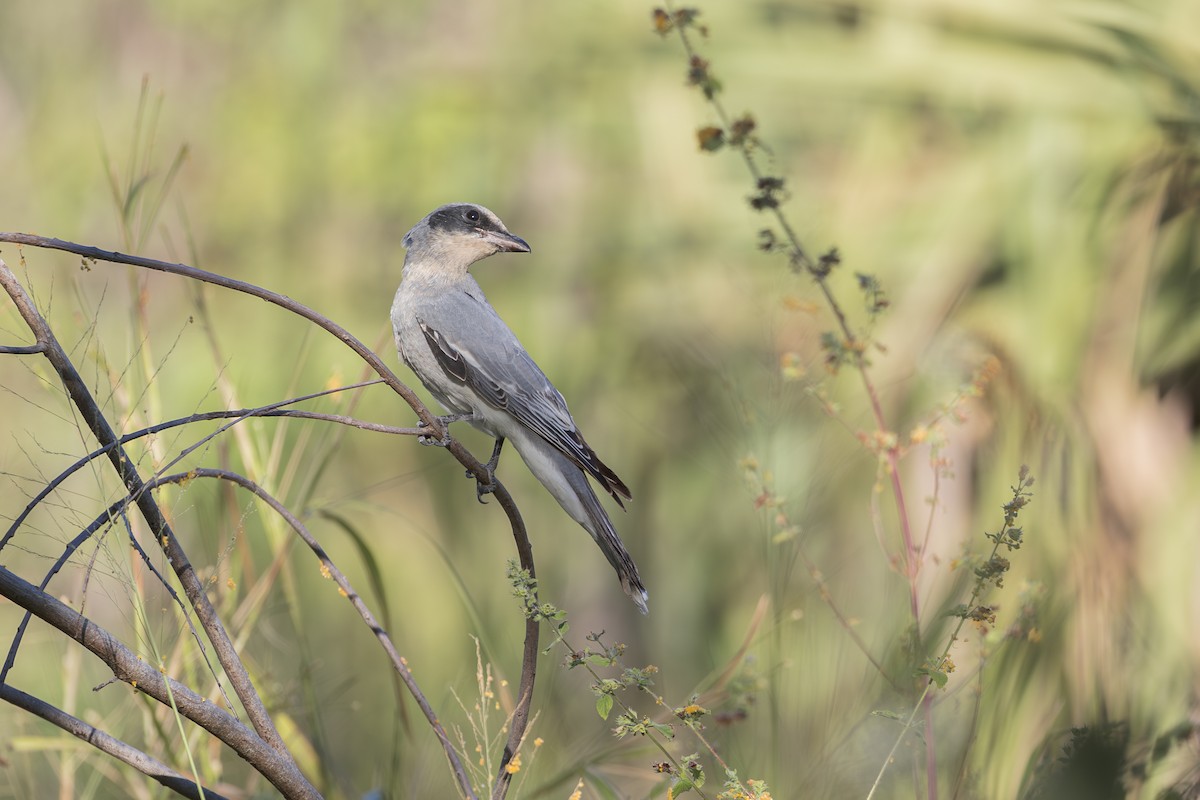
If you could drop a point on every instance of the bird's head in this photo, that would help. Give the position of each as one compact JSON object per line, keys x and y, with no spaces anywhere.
{"x":455,"y":236}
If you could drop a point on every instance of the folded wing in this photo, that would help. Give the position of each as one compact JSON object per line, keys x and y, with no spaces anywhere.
{"x":492,"y":362}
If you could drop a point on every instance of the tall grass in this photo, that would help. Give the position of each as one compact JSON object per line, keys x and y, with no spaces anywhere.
{"x":1019,"y":180}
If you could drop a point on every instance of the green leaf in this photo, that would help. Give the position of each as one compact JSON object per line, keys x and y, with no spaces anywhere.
{"x":680,"y":786}
{"x":604,"y":704}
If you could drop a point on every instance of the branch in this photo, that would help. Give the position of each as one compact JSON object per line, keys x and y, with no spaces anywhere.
{"x":227,"y":655}
{"x":520,"y":716}
{"x":239,"y":415}
{"x":122,"y":751}
{"x":330,"y":570}
{"x":18,"y":350}
{"x":434,"y":428}
{"x":276,"y":767}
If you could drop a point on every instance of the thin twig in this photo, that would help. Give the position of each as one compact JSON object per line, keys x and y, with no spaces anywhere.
{"x":19,"y":350}
{"x":1020,"y":496}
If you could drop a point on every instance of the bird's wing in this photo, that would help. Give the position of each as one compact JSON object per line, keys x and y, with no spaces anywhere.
{"x":474,"y":347}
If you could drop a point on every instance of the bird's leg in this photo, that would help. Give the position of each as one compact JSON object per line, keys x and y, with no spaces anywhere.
{"x":445,"y":423}
{"x":481,"y":488}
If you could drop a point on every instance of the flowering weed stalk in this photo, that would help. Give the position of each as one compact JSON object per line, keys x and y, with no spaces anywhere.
{"x":990,"y":572}
{"x":685,"y":773}
{"x":842,"y":346}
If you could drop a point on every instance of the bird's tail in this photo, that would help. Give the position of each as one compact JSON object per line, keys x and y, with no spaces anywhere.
{"x":570,"y":487}
{"x":601,"y":528}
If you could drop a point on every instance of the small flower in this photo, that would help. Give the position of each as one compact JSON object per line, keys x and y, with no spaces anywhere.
{"x":662,"y":22}
{"x":791,"y":366}
{"x":741,"y":129}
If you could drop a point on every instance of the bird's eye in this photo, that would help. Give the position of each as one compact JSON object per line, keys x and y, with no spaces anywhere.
{"x":473,"y":216}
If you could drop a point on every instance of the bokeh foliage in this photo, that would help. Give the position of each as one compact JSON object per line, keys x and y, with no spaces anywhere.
{"x":1021,"y":177}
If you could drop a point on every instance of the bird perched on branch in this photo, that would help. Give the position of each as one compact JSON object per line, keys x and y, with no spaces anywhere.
{"x":456,"y":343}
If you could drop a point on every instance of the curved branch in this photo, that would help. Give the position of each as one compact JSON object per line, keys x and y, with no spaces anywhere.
{"x":464,"y":456}
{"x":520,"y":716}
{"x":239,"y":415}
{"x":78,"y":391}
{"x":104,"y":518}
{"x":276,"y":767}
{"x":122,"y":751}
{"x":283,"y":301}
{"x":330,"y":570}
{"x":436,"y":429}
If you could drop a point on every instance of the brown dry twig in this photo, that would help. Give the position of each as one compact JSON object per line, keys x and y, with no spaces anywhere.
{"x":111,"y":446}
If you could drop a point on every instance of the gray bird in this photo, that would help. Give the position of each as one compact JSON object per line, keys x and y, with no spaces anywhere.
{"x":456,"y":343}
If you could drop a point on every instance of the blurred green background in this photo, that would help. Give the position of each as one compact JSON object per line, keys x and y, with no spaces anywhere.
{"x":1022,"y":177}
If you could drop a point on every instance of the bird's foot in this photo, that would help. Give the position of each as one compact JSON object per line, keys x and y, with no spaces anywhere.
{"x":482,"y":489}
{"x":445,"y":423}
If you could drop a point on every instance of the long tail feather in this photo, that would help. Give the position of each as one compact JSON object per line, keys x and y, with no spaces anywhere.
{"x":570,"y":487}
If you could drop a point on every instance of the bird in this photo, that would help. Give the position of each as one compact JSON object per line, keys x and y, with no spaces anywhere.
{"x":473,"y":364}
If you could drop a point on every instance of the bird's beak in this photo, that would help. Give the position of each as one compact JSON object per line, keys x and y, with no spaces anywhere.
{"x":505,"y":242}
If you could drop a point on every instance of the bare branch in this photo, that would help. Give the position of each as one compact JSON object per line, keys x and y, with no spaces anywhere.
{"x":122,"y":751}
{"x":239,"y":678}
{"x":329,"y":569}
{"x":464,"y":456}
{"x":520,"y":715}
{"x":271,"y":410}
{"x":276,"y":767}
{"x":18,"y":350}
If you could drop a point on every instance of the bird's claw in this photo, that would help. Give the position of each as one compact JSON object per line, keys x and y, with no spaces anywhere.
{"x":430,"y":441}
{"x":445,"y":421}
{"x":482,"y":490}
